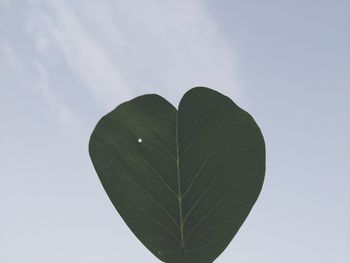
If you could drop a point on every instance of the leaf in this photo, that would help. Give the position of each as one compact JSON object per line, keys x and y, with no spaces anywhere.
{"x":183,"y":181}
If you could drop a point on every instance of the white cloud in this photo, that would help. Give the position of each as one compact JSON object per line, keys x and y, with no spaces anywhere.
{"x":125,"y":48}
{"x":85,"y":57}
{"x":121,"y":49}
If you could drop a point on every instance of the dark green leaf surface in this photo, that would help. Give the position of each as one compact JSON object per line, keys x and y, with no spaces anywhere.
{"x":183,"y":180}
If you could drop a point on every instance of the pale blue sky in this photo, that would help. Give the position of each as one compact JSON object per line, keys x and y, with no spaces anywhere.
{"x":64,"y":64}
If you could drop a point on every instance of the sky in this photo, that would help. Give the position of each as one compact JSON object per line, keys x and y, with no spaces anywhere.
{"x":64,"y":64}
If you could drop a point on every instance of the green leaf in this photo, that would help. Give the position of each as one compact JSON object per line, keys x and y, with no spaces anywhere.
{"x":183,"y":180}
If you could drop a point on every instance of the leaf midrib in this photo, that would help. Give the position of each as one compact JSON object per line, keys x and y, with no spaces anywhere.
{"x":179,"y":185}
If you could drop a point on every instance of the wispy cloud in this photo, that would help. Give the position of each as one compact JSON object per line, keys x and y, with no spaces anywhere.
{"x":86,"y":59}
{"x":9,"y":55}
{"x":64,"y":113}
{"x":123,"y":48}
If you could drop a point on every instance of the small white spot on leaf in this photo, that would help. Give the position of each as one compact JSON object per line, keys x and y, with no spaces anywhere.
{"x":139,"y":140}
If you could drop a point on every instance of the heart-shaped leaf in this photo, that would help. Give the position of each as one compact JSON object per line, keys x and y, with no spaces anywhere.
{"x":183,"y":180}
